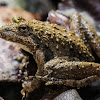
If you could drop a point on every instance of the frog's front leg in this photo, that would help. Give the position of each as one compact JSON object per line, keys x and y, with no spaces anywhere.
{"x":70,"y":73}
{"x":33,"y":83}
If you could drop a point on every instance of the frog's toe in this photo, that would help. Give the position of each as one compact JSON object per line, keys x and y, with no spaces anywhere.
{"x":26,"y":89}
{"x":49,"y":83}
{"x":74,"y":83}
{"x":27,"y":86}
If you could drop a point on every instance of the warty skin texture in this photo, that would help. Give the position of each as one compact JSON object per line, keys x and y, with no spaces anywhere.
{"x":50,"y":45}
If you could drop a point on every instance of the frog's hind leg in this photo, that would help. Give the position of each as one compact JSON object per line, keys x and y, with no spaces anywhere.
{"x":76,"y":27}
{"x":71,"y":73}
{"x":74,"y":83}
{"x":86,"y":32}
{"x":91,"y":36}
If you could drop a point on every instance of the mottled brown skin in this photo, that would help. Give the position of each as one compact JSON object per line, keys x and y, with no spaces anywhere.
{"x":61,"y":56}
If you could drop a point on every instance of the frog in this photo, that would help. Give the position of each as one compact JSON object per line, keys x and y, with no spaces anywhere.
{"x":62,"y":56}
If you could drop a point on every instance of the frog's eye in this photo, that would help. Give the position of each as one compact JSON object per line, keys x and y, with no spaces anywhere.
{"x":24,"y":30}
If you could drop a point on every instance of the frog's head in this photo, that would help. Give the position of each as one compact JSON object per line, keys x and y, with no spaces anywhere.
{"x":19,"y":31}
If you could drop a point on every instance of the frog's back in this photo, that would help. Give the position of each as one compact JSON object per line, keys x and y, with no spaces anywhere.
{"x":60,"y":41}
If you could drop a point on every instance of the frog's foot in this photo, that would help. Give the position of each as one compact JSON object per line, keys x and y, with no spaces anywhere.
{"x":73,"y":83}
{"x":29,"y":85}
{"x":26,"y":88}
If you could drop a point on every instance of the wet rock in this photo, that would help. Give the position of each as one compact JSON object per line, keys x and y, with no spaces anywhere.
{"x":58,"y":18}
{"x":8,"y":66}
{"x":68,"y":95}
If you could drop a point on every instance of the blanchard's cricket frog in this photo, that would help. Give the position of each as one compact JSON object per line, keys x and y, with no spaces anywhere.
{"x":63,"y":56}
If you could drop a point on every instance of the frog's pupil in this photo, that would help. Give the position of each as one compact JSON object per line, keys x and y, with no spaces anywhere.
{"x":23,"y":28}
